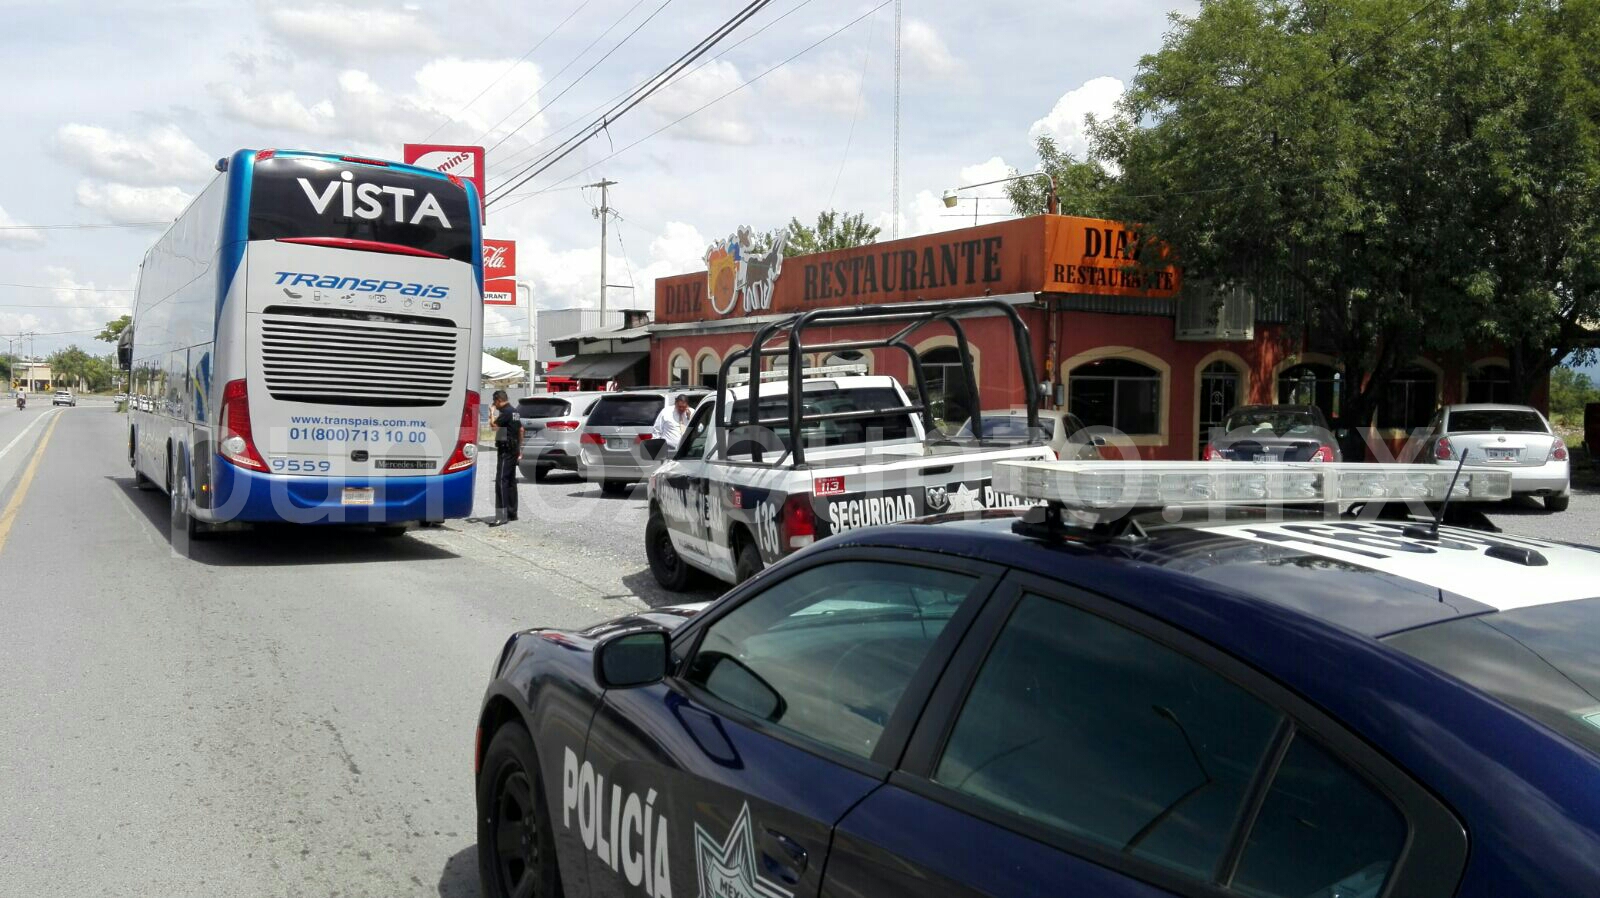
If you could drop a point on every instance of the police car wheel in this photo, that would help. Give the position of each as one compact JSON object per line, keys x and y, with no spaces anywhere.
{"x":1557,"y":503}
{"x":669,"y":568}
{"x":516,"y":849}
{"x":747,"y":560}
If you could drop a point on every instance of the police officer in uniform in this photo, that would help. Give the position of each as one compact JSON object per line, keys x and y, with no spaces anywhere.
{"x":507,"y":451}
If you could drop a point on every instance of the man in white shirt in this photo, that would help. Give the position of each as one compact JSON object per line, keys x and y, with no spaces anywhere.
{"x":671,"y":423}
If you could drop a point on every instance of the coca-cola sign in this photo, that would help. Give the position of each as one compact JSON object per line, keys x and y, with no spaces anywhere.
{"x":499,"y":258}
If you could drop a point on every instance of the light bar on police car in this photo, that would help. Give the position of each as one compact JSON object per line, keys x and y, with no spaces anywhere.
{"x":1103,"y":485}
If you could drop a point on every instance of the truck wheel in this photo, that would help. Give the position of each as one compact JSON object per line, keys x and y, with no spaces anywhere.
{"x":516,"y":844}
{"x":614,"y":487}
{"x":1557,"y":503}
{"x":669,"y":568}
{"x":746,"y":559}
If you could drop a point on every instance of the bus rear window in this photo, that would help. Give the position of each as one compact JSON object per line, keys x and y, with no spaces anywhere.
{"x":297,"y":197}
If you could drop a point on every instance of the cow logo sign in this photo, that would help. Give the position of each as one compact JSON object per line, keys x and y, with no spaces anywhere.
{"x":734,"y":268}
{"x":727,"y":867}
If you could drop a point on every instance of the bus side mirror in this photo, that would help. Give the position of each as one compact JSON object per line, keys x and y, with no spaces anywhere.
{"x":125,"y":349}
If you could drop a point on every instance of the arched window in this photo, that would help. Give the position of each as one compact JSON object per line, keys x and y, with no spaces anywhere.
{"x":1219,"y":393}
{"x":1410,"y":399}
{"x":1311,"y":384}
{"x":678,"y":369}
{"x":709,"y":368}
{"x":1489,"y":382}
{"x":946,"y":387}
{"x":1118,"y":393}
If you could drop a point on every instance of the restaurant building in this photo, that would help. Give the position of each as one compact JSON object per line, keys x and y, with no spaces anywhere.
{"x":1117,"y":343}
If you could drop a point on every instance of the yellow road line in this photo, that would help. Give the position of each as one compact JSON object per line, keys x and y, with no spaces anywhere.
{"x":8,"y":516}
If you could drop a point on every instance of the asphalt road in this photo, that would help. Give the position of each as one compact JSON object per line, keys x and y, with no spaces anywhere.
{"x":287,"y":712}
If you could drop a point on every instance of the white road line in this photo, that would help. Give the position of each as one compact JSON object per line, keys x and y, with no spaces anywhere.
{"x":48,"y":413}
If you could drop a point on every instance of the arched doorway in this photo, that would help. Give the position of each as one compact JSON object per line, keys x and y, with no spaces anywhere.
{"x":1489,"y":382}
{"x":678,"y":369}
{"x":1410,"y":399}
{"x":709,"y":367}
{"x":1311,"y":383}
{"x":1219,"y":393}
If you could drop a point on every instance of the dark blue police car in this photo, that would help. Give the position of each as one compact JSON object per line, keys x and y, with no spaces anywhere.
{"x":1247,"y":704}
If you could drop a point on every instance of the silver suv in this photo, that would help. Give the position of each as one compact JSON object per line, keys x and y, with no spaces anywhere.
{"x":550,"y":425}
{"x":611,"y":443}
{"x":64,"y":397}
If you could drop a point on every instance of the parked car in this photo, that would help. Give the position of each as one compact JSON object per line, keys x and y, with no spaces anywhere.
{"x":611,"y":441}
{"x":550,"y":425}
{"x":1066,"y":435}
{"x":1515,"y":437}
{"x":64,"y":397}
{"x":1273,"y":433}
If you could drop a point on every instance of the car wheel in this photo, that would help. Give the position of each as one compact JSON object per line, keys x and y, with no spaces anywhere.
{"x":669,"y":568}
{"x":613,"y":487}
{"x":516,"y":848}
{"x":540,"y":473}
{"x":746,"y":560}
{"x":1557,"y":503}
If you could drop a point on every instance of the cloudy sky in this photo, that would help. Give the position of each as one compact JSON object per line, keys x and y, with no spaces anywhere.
{"x":115,"y":112}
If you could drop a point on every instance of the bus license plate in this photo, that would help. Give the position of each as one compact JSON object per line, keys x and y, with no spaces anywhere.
{"x":358,"y":495}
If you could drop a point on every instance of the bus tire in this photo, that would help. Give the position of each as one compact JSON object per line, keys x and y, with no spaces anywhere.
{"x":391,"y":531}
{"x":669,"y":568}
{"x":142,"y":482}
{"x":746,"y":557}
{"x":184,"y":523}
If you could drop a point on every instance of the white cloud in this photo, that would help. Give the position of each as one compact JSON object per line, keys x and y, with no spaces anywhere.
{"x":124,"y":204}
{"x":925,"y":50}
{"x":724,"y":122}
{"x":832,"y":87}
{"x":928,"y":214}
{"x":1097,"y":97}
{"x":10,"y":237}
{"x":278,"y":110}
{"x":350,"y":30}
{"x":160,"y":155}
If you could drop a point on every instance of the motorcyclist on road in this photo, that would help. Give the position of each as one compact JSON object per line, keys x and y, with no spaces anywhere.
{"x":22,"y":399}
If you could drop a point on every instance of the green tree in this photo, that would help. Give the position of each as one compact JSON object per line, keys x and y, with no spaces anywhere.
{"x":833,"y":231}
{"x":1570,"y":391}
{"x":1328,"y":151}
{"x":114,"y":329}
{"x":507,"y":354}
{"x":1081,"y":184}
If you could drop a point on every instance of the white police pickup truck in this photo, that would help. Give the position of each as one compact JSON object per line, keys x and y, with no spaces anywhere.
{"x":740,"y":492}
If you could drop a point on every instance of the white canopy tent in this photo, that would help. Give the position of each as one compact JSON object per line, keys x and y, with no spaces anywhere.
{"x":501,"y":374}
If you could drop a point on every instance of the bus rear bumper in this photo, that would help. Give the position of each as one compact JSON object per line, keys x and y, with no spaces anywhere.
{"x":242,"y":495}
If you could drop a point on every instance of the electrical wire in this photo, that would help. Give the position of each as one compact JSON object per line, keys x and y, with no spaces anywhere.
{"x":707,"y":105}
{"x":607,"y":55}
{"x":516,"y":157}
{"x":501,"y":77}
{"x":861,"y":93}
{"x":650,"y":87}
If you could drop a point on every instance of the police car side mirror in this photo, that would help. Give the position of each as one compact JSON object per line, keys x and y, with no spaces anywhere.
{"x":634,"y":658}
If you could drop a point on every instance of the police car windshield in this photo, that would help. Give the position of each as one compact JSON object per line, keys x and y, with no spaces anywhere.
{"x":1540,"y":660}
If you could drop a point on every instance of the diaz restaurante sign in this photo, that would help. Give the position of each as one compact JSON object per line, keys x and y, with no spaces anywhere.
{"x":1043,"y":254}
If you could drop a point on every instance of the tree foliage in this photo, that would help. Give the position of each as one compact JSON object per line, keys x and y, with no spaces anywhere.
{"x":1570,"y":391}
{"x":507,"y":354}
{"x":114,"y":329}
{"x":72,"y":366}
{"x":1416,"y":178}
{"x":1081,"y":184}
{"x":833,"y":231}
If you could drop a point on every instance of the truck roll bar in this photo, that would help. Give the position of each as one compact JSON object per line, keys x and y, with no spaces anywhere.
{"x":789,"y":334}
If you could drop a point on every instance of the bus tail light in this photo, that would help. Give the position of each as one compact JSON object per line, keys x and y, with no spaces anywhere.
{"x":799,"y":521}
{"x":238,"y":443}
{"x":467,"y":441}
{"x":264,"y":155}
{"x":364,"y":160}
{"x":561,"y":425}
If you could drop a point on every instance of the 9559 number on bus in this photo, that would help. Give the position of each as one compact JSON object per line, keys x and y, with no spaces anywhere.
{"x":301,"y":465}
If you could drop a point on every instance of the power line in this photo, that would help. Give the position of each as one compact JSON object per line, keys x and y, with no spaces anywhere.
{"x":82,"y":227}
{"x":517,"y":157}
{"x":76,"y":289}
{"x":861,"y":93}
{"x":651,"y":86}
{"x":575,"y":81}
{"x":708,"y":104}
{"x":509,"y":69}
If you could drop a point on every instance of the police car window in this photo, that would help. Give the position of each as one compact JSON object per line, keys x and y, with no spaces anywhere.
{"x":830,"y":401}
{"x":1088,"y":728}
{"x":695,"y":445}
{"x":826,"y":653}
{"x":1322,"y":830}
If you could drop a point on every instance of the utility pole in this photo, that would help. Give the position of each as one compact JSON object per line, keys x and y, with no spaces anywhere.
{"x":894,"y":195}
{"x":601,"y":214}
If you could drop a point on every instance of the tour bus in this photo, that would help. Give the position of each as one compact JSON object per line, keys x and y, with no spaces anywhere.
{"x":306,"y":346}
